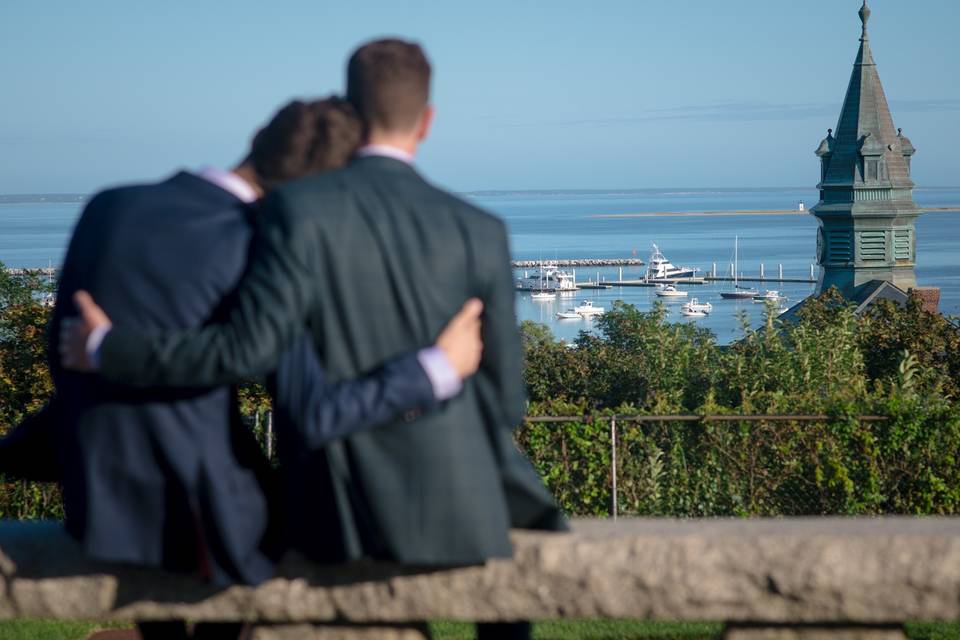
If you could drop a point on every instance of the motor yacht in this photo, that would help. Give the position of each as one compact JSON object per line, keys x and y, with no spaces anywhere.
{"x":587,"y":309}
{"x":670,"y":291}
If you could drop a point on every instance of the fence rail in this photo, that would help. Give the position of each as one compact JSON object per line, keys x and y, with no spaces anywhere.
{"x":697,"y":418}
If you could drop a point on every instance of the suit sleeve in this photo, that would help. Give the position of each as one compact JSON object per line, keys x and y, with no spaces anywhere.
{"x":268,"y":311}
{"x":321,"y":410}
{"x":29,"y":451}
{"x":502,"y":352}
{"x":69,"y":278}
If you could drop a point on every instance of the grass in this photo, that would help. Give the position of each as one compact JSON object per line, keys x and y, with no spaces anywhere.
{"x":933,"y":630}
{"x":595,"y":630}
{"x":48,"y":629}
{"x":554,"y":630}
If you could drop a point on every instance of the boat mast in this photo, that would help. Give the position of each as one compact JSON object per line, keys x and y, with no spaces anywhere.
{"x":736,"y":262}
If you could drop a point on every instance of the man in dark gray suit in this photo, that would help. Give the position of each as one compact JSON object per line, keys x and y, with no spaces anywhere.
{"x":373,"y":259}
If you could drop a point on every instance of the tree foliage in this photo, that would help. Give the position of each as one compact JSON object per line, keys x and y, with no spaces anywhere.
{"x":896,"y":362}
{"x":25,"y":383}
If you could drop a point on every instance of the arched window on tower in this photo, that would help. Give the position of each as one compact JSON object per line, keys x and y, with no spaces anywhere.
{"x":871,"y":158}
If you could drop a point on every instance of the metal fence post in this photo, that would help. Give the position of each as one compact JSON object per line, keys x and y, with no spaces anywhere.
{"x":270,"y":434}
{"x":613,"y":465}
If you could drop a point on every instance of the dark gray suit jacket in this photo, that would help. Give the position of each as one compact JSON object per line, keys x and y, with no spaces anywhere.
{"x":375,"y":260}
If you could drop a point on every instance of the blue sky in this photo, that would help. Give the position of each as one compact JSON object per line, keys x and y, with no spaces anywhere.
{"x":530,"y":95}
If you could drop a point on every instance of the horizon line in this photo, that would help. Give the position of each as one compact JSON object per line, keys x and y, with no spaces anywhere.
{"x":481,"y":192}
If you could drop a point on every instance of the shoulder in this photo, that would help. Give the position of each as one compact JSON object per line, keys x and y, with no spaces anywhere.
{"x":328,"y":185}
{"x":129,"y":195}
{"x":301,"y":200}
{"x":479,"y":219}
{"x":107,"y":204}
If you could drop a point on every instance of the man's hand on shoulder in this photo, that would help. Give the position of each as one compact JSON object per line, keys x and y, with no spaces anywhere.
{"x":81,"y":336}
{"x":460,"y":340}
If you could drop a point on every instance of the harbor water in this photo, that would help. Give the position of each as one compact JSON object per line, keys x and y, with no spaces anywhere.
{"x":555,"y":225}
{"x":545,"y":226}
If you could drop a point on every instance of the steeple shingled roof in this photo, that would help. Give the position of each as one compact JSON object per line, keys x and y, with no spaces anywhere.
{"x":866,"y":124}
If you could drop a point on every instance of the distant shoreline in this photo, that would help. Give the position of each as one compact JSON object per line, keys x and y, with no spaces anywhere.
{"x":745,"y":212}
{"x":43,"y":198}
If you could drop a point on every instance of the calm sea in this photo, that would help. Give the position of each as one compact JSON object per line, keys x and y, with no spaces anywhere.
{"x":548,"y":225}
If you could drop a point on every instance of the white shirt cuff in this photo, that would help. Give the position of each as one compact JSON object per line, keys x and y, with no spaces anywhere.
{"x":94,"y":342}
{"x":444,"y":378}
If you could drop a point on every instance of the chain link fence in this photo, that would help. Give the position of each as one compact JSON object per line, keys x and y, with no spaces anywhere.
{"x":736,"y":465}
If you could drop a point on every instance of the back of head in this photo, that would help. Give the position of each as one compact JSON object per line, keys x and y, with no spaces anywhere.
{"x":304,"y":138}
{"x":388,"y":82}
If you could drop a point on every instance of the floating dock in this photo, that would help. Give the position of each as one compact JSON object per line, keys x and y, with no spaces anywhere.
{"x":578,"y":262}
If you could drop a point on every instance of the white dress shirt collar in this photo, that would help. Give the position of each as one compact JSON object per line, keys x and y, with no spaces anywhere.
{"x":230,"y":182}
{"x":386,"y":151}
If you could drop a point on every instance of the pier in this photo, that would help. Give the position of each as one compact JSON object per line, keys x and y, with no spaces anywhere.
{"x":583,"y":262}
{"x":711,"y":276}
{"x":579,"y":262}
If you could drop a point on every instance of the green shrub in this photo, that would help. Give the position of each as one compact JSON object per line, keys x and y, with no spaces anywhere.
{"x":899,"y":363}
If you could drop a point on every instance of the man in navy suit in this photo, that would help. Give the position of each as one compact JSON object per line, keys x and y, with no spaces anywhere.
{"x":170,"y":477}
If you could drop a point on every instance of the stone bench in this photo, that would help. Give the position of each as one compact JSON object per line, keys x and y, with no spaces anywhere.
{"x":787,"y":578}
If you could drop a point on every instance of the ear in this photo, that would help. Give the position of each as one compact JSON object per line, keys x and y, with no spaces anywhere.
{"x":426,"y":121}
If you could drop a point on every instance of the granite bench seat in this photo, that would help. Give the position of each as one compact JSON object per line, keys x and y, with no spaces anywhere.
{"x":771,"y":578}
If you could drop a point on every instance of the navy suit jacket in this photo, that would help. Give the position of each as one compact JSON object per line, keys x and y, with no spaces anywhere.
{"x":170,"y":477}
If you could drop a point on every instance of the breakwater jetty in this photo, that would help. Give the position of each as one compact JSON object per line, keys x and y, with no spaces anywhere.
{"x":42,"y":271}
{"x":579,"y":262}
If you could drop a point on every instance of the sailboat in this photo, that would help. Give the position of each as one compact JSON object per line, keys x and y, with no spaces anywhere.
{"x":738,"y":293}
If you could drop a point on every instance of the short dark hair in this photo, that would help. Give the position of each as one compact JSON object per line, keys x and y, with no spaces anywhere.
{"x":303,"y":138}
{"x":388,"y":81}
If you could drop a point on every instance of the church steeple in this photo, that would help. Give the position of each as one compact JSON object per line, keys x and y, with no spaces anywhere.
{"x":866,"y":208}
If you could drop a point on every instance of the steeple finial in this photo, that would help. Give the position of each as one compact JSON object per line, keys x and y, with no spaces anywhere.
{"x":864,"y":18}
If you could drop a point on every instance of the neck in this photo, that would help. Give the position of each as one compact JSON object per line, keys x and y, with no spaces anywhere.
{"x":245,"y":172}
{"x":403,"y":141}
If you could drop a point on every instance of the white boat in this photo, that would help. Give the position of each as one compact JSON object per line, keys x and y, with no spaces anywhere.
{"x":569,"y":314}
{"x":543,"y":292}
{"x":659,"y":268}
{"x":549,"y":278}
{"x":671,"y":291}
{"x":697,"y":306}
{"x":738,"y":293}
{"x":587,"y":309}
{"x":692,"y":313}
{"x":769,"y":295}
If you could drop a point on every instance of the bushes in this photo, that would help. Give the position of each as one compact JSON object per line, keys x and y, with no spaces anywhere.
{"x":25,"y":383}
{"x":900,"y":363}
